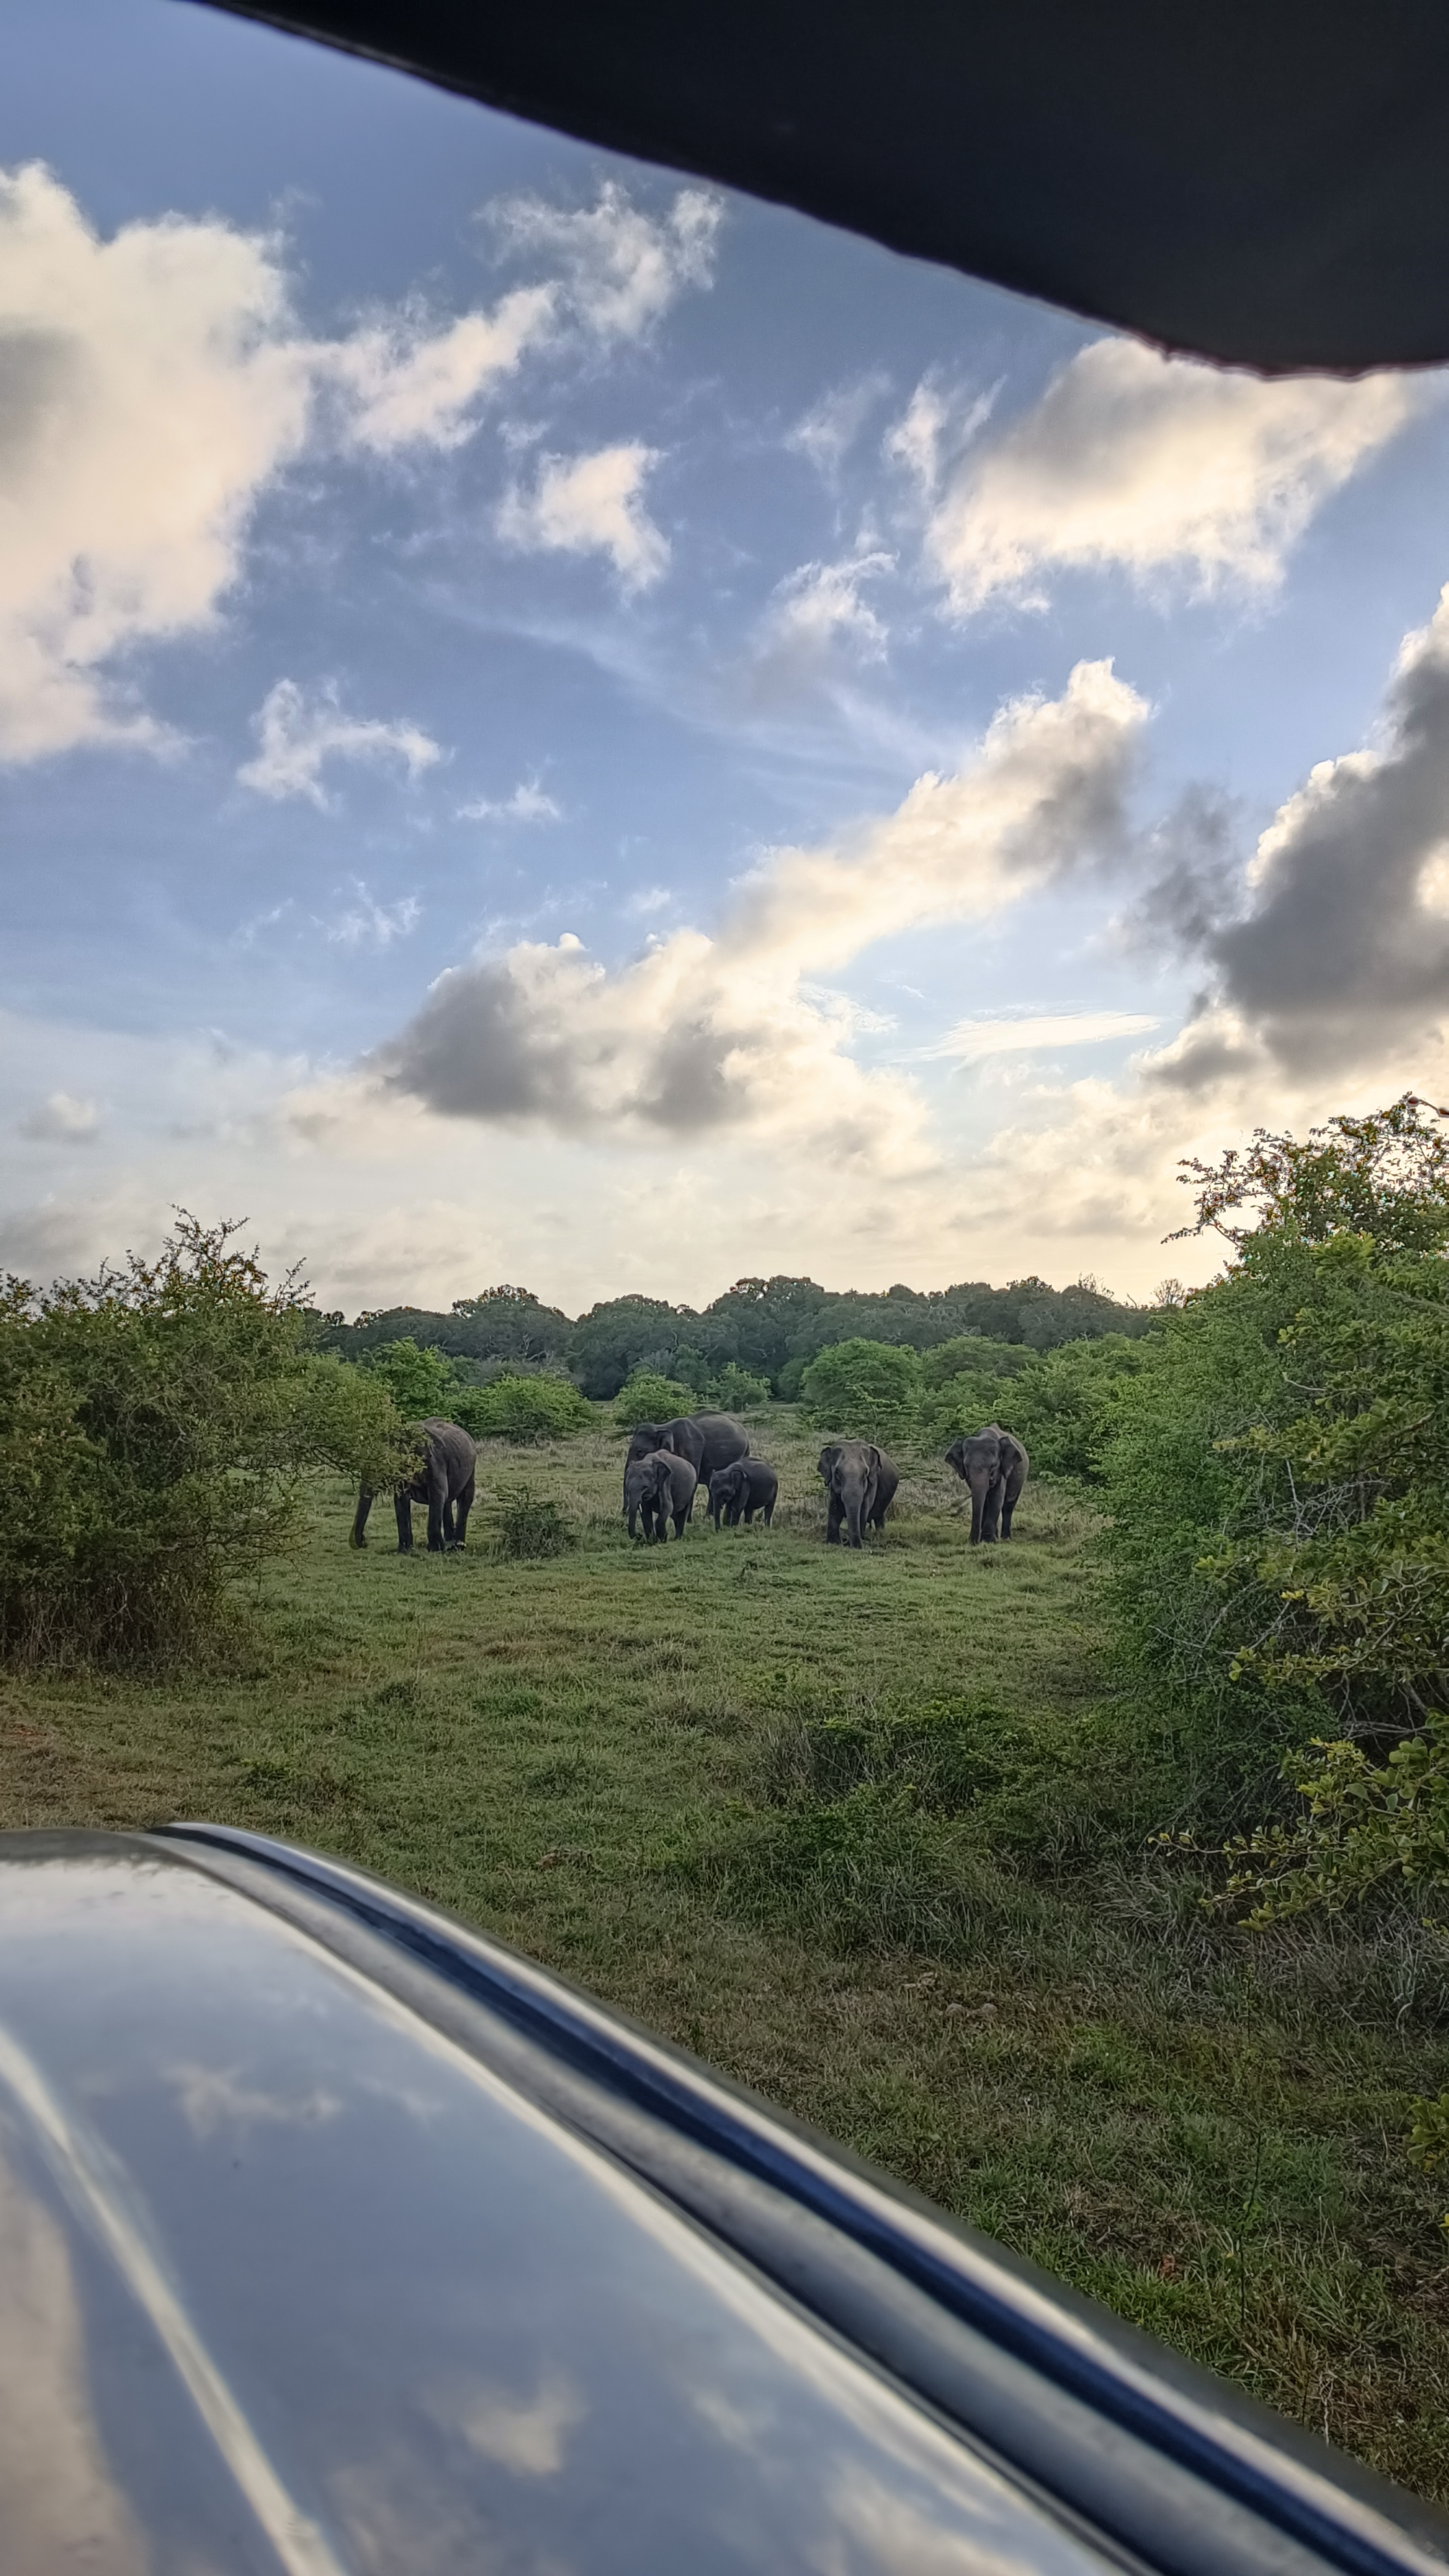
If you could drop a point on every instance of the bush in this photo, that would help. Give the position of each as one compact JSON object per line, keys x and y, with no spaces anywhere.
{"x":973,"y":1355}
{"x":648,"y":1397}
{"x":1064,"y":1404}
{"x":736,"y":1390}
{"x":965,"y":1404}
{"x":1278,"y":1474}
{"x":422,"y":1383}
{"x":528,"y":1524}
{"x":155,"y":1424}
{"x":523,"y":1409}
{"x":864,"y":1391}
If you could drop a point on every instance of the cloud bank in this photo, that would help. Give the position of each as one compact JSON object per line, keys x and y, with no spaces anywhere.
{"x":731,"y":1031}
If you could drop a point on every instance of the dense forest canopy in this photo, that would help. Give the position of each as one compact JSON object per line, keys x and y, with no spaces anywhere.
{"x":771,"y":1327}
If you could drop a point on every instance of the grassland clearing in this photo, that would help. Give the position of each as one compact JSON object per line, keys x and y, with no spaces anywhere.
{"x":868,"y":1832}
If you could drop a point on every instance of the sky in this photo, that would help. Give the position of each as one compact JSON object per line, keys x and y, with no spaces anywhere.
{"x":561,"y":725}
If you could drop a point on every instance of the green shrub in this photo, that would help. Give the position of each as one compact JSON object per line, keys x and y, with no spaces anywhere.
{"x":974,"y":1355}
{"x":648,"y":1397}
{"x":1278,"y":1469}
{"x":423,"y":1384}
{"x":523,"y":1409}
{"x":864,"y":1391}
{"x":155,"y":1424}
{"x":965,"y":1404}
{"x":1063,"y":1405}
{"x":528,"y":1524}
{"x":737,"y":1390}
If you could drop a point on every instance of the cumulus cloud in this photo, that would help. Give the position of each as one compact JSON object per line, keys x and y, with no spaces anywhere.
{"x":62,"y":1120}
{"x":296,"y":736}
{"x":1341,"y":949}
{"x":148,"y":386}
{"x":152,"y":385}
{"x":528,"y":803}
{"x":591,"y":504}
{"x":620,"y":268}
{"x":735,"y":1030}
{"x":1159,"y":465}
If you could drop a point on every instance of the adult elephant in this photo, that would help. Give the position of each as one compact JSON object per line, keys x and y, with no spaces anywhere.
{"x":444,"y":1481}
{"x":708,"y":1440}
{"x":860,"y":1481}
{"x":738,"y":1492}
{"x":658,"y":1489}
{"x":993,"y":1463}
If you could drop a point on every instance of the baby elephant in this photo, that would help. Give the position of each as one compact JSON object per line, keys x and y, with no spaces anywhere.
{"x":738,"y":1492}
{"x":658,"y":1489}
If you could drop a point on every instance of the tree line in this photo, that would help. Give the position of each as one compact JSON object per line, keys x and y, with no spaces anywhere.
{"x":770,"y":1330}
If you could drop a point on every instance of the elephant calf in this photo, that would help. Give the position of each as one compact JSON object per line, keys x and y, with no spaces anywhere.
{"x":444,"y":1481}
{"x":738,"y":1492}
{"x":861,"y":1482}
{"x":658,"y":1489}
{"x":994,"y":1464}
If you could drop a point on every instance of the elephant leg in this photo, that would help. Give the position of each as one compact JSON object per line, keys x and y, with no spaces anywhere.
{"x":465,"y":1505}
{"x":991,"y":1514}
{"x":1009,"y":1501}
{"x":403,"y":1504}
{"x":681,"y":1522}
{"x":769,"y":1514}
{"x":359,"y":1526}
{"x":834,"y":1520}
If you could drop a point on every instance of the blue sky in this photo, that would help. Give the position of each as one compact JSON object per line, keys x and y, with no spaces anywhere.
{"x":558,"y":724}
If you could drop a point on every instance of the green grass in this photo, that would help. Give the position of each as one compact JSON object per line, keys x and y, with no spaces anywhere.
{"x":867,"y":1832}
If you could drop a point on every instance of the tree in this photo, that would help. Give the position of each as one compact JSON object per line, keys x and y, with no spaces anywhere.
{"x":621,"y":1335}
{"x":156,"y":1424}
{"x":649,"y":1397}
{"x":864,"y":1391}
{"x":422,"y":1383}
{"x":524,"y":1409}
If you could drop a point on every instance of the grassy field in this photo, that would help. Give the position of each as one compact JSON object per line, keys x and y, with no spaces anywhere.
{"x":867,"y":1832}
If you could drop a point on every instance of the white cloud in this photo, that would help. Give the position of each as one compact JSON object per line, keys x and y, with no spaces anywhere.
{"x":970,"y":1040}
{"x":528,"y":803}
{"x":591,"y":505}
{"x":929,"y":432}
{"x":62,"y":1120}
{"x":369,"y":924}
{"x":407,"y":383}
{"x":153,"y":385}
{"x":820,"y":604}
{"x":620,"y":268}
{"x":737,"y":1030}
{"x":297,"y":735}
{"x":830,"y":428}
{"x":150,"y":387}
{"x":1155,"y":464}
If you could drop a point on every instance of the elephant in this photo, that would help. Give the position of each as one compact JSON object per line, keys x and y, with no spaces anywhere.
{"x":707,"y":1440}
{"x":861,"y":1482}
{"x":444,"y":1481}
{"x":741,"y":1490}
{"x":659,"y":1488}
{"x":994,"y":1464}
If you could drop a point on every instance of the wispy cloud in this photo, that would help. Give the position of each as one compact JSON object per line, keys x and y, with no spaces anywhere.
{"x":971,"y":1040}
{"x":528,"y":804}
{"x":831,"y":427}
{"x":297,"y":736}
{"x":369,"y":924}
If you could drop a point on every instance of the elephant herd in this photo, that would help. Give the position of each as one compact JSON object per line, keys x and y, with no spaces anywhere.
{"x":667,"y":1463}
